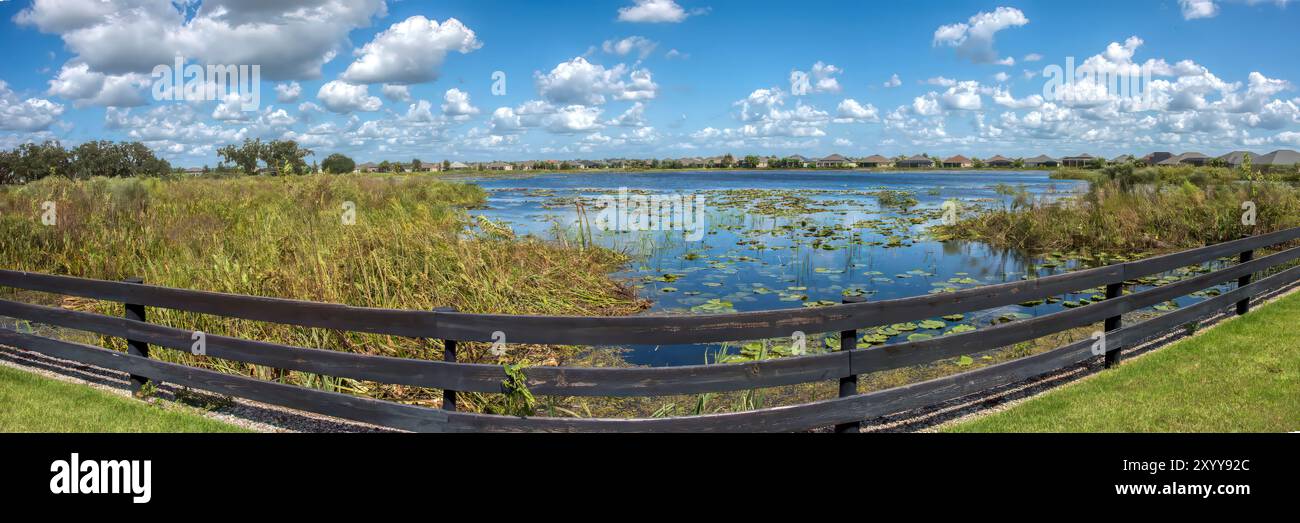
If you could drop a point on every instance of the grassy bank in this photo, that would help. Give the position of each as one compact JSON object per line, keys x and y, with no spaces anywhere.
{"x":32,"y":403}
{"x":1241,"y":376}
{"x":412,"y":246}
{"x":1137,"y":210}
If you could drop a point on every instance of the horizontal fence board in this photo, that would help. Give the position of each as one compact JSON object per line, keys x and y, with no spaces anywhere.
{"x":590,"y":330}
{"x":889,"y":401}
{"x":345,"y":406}
{"x":906,"y":354}
{"x":471,"y":377}
{"x":415,"y":324}
{"x":807,"y":416}
{"x":399,"y":371}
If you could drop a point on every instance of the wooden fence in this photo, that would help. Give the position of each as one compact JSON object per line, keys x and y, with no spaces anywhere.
{"x":845,"y":412}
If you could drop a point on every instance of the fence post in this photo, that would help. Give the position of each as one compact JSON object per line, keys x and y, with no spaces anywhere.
{"x":849,"y":384}
{"x":136,"y":347}
{"x":449,"y":356}
{"x":1243,"y":306}
{"x":1113,"y":290}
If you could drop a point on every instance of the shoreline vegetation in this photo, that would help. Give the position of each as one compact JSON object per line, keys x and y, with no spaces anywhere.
{"x":412,"y":247}
{"x":1131,"y":209}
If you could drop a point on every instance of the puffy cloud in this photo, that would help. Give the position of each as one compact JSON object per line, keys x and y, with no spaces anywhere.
{"x":410,"y":51}
{"x":343,"y":97}
{"x":653,"y":11}
{"x":574,"y":119}
{"x":420,"y":111}
{"x":456,"y":104}
{"x":1004,"y":98}
{"x":567,"y":119}
{"x":973,"y":39}
{"x":86,"y":87}
{"x":288,"y":39}
{"x":763,"y":114}
{"x":396,"y":93}
{"x":641,"y":45}
{"x":633,"y":117}
{"x":850,"y":110}
{"x":229,"y":108}
{"x":964,"y":96}
{"x":288,"y":93}
{"x":504,"y":120}
{"x":579,"y":82}
{"x":1033,"y":57}
{"x":1193,"y":9}
{"x":820,"y":80}
{"x":31,"y":114}
{"x":893,"y":81}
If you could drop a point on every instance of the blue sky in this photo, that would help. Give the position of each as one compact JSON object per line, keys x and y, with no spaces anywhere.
{"x":656,"y":78}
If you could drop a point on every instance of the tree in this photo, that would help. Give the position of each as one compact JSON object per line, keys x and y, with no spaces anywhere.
{"x":244,"y":157}
{"x":417,"y":165}
{"x":279,"y":153}
{"x":338,"y":164}
{"x":750,"y":161}
{"x":384,"y":166}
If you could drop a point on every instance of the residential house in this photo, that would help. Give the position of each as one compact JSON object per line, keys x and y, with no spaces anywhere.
{"x":958,"y":161}
{"x":1082,"y":160}
{"x":458,"y":166}
{"x":1156,"y":157}
{"x":916,"y":162}
{"x":875,"y":161}
{"x":801,"y":160}
{"x":1042,"y":160}
{"x":1280,"y":157}
{"x":835,"y":161}
{"x":499,"y":166}
{"x":998,"y":161}
{"x":1235,"y":159}
{"x":1185,"y":159}
{"x":368,"y":167}
{"x":1122,"y":159}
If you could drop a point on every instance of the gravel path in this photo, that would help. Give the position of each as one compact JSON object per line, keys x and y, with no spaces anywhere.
{"x":270,"y":418}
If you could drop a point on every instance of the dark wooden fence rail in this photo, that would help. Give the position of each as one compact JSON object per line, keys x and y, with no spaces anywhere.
{"x":844,"y":412}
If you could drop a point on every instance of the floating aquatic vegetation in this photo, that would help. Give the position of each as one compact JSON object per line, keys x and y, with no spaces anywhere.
{"x":958,"y":329}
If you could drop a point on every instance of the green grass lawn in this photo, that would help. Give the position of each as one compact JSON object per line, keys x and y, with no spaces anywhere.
{"x":1240,"y":376}
{"x":32,"y":403}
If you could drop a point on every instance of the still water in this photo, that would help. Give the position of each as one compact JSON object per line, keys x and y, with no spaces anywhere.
{"x":761,"y":240}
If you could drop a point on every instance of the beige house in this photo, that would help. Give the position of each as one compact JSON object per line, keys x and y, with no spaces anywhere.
{"x":999,"y":161}
{"x":875,"y":161}
{"x":958,"y":161}
{"x":835,"y":161}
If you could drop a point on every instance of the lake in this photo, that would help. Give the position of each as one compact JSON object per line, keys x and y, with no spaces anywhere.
{"x":761,"y":240}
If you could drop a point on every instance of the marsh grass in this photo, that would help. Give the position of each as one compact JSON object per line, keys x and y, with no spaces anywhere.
{"x":1129,"y":211}
{"x":412,"y":247}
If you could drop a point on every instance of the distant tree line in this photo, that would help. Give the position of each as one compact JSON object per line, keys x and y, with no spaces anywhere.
{"x":33,"y":161}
